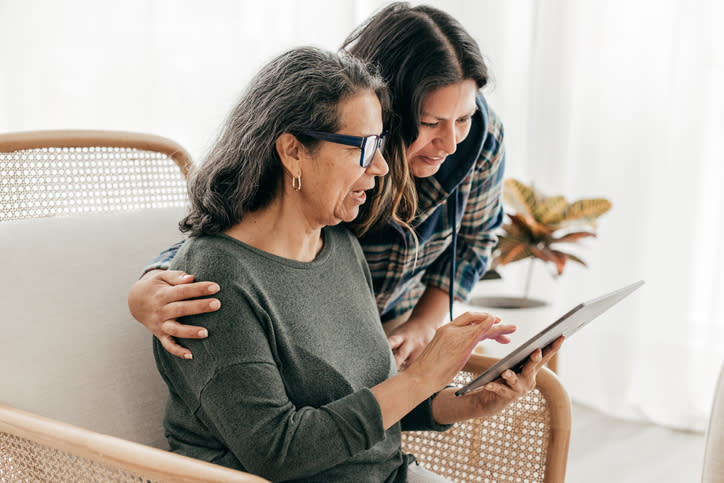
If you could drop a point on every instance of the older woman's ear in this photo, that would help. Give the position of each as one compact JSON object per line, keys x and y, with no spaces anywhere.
{"x":291,"y":152}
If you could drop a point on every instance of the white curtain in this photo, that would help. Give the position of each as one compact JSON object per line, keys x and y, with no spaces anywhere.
{"x":168,"y":67}
{"x":623,"y":99}
{"x":626,"y":102}
{"x":620,"y":99}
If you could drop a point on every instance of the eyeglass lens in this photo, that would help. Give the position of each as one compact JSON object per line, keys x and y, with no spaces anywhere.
{"x":371,"y":145}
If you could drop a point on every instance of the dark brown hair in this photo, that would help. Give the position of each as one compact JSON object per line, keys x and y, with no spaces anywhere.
{"x":417,"y":50}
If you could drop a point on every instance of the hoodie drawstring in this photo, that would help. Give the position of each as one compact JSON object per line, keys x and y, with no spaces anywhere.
{"x":452,"y":210}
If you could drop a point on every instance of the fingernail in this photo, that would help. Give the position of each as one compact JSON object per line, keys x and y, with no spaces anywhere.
{"x":185,"y":276}
{"x":188,"y":356}
{"x":508,"y":373}
{"x":215,"y":304}
{"x":203,"y":333}
{"x":489,"y":387}
{"x":213,"y":288}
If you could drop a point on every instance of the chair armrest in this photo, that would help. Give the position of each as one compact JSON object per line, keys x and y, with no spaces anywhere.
{"x":526,"y":441}
{"x":559,"y":406}
{"x":35,"y":448}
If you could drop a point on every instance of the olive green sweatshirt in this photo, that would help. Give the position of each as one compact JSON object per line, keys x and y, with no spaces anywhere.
{"x":280,"y":388}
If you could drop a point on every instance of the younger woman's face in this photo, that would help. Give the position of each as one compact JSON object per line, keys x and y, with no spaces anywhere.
{"x":444,"y":122}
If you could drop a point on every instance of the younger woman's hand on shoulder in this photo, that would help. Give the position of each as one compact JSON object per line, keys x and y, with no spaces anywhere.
{"x":160,"y":297}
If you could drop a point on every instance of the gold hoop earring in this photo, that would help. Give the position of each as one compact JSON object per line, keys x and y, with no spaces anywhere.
{"x":297,"y":183}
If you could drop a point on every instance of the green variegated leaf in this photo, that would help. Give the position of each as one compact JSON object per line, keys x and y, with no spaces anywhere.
{"x":584,"y":211}
{"x":550,"y":210}
{"x":519,"y":197}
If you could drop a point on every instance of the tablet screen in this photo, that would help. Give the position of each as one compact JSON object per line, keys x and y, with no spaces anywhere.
{"x":573,"y":320}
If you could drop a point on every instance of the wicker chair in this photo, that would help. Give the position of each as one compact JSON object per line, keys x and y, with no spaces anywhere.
{"x":62,"y":195}
{"x":56,"y":173}
{"x":129,"y":189}
{"x":526,"y":442}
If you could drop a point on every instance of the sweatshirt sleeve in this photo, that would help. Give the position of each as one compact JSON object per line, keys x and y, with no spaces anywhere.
{"x":420,"y":419}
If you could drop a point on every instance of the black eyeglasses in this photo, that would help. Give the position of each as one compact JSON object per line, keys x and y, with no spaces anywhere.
{"x":368,"y":144}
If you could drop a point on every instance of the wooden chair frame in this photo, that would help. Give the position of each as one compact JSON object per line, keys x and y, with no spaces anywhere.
{"x":472,"y":452}
{"x":559,"y":405}
{"x":87,"y":138}
{"x":107,"y":451}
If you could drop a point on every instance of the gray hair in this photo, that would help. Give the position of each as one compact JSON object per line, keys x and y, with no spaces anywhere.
{"x":297,"y":91}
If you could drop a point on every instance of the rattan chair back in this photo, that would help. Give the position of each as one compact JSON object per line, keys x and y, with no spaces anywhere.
{"x":76,"y":172}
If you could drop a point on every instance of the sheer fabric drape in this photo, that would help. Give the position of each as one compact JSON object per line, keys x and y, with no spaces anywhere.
{"x":626,"y":102}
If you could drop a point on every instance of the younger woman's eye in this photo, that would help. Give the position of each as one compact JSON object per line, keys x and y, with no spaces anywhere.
{"x":428,"y":124}
{"x":464,"y":119}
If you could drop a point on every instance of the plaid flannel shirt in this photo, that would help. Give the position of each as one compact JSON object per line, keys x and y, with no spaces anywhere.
{"x":400,"y":270}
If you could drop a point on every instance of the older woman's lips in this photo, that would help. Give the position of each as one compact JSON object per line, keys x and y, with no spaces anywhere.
{"x":359,"y":196}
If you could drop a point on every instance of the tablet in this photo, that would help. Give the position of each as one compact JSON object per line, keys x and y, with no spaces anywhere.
{"x":576,"y":318}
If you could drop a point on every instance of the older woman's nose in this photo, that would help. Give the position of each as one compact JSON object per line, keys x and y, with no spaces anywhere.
{"x":378,"y":166}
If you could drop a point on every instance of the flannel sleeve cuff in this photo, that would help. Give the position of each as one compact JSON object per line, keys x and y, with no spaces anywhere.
{"x":164,"y":259}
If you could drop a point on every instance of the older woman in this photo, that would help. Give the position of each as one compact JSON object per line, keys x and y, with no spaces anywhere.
{"x":296,"y":380}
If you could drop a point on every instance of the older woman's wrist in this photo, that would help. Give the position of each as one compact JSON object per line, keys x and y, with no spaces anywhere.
{"x":447,"y":408}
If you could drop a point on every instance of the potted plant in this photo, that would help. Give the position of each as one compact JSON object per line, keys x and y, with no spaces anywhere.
{"x":540,"y":227}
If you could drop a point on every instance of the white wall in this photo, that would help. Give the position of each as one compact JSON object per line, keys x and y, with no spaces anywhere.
{"x":175,"y":68}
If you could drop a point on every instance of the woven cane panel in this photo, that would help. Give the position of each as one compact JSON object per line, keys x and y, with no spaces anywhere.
{"x":22,"y":460}
{"x":508,"y":447}
{"x":69,"y":181}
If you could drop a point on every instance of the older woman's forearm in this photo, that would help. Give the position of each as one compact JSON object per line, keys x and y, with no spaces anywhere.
{"x":399,"y":395}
